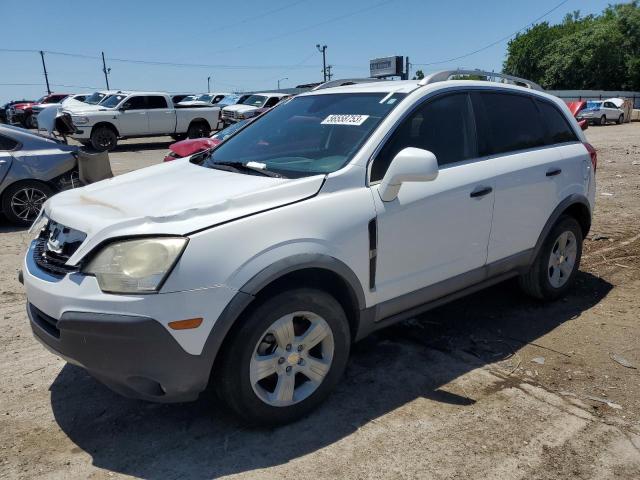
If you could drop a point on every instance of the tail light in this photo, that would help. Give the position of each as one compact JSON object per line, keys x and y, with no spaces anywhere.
{"x":593,"y":154}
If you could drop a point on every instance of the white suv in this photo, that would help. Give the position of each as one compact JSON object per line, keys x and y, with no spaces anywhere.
{"x":253,"y":267}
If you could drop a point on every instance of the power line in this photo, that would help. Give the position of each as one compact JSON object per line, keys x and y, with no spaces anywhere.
{"x":493,"y":43}
{"x":304,"y":29}
{"x":257,"y":17}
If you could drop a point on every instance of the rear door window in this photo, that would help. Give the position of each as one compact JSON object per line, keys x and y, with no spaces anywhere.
{"x":507,"y":122}
{"x":156,"y":101}
{"x":443,"y":126}
{"x":558,"y":129}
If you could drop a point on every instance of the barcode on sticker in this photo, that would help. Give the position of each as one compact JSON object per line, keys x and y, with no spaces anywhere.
{"x":345,"y":120}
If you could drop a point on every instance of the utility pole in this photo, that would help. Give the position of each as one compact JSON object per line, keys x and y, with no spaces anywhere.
{"x":407,"y":69}
{"x":285,"y":78}
{"x":106,"y":71}
{"x":329,"y":74}
{"x":323,"y":50}
{"x":208,"y":84}
{"x":44,"y":67}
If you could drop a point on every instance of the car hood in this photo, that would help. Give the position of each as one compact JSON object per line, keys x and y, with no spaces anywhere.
{"x":171,"y":198}
{"x":85,"y":108}
{"x":240,"y":108}
{"x":195,"y":103}
{"x":23,"y":105}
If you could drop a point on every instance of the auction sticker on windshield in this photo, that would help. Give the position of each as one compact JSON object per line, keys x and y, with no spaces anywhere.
{"x":345,"y":120}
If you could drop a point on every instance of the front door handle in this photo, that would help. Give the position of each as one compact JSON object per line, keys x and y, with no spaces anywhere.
{"x":481,"y":192}
{"x":553,"y":172}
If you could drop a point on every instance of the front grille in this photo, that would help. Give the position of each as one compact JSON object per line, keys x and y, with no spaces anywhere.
{"x":66,"y":240}
{"x":44,"y":321}
{"x":227,"y":114}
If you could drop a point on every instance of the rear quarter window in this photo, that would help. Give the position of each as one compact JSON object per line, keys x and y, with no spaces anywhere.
{"x":558,"y":128}
{"x":7,"y":144}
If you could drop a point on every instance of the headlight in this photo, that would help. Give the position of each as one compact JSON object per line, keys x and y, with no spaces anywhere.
{"x":79,"y":120}
{"x":136,"y":266}
{"x":240,"y":115}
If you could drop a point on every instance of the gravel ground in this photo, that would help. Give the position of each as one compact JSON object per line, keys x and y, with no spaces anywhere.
{"x":491,"y":386}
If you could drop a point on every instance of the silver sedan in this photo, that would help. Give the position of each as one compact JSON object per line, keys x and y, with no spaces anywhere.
{"x":32,"y":168}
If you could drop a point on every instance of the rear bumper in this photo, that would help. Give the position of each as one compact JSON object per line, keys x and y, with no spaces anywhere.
{"x":135,"y":356}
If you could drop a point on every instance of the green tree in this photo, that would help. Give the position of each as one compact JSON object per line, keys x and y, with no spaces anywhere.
{"x":592,"y":52}
{"x":419,"y":75}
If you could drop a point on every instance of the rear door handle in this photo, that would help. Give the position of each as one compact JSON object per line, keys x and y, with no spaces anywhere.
{"x":481,"y":192}
{"x":554,"y":171}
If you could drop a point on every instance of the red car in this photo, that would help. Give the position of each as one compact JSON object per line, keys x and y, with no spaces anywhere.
{"x":190,"y":146}
{"x":22,"y":113}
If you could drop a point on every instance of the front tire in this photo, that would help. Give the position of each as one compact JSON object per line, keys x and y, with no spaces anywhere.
{"x":22,"y":202}
{"x":620,"y":120}
{"x":603,"y":121}
{"x":103,"y":138}
{"x":285,"y":357}
{"x":556,"y":265}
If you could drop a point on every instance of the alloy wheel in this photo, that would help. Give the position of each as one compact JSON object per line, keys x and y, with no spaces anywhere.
{"x":291,"y":359}
{"x":562,"y":259}
{"x":26,"y":203}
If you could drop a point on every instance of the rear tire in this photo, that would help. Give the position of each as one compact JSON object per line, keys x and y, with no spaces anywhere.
{"x":274,"y":331}
{"x":103,"y":138}
{"x":198,"y":130}
{"x":22,"y":202}
{"x":554,"y":268}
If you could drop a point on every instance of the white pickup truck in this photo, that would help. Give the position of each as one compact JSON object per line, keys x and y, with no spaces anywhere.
{"x":139,"y":114}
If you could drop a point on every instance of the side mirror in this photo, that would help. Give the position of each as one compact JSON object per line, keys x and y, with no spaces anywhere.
{"x":409,"y":165}
{"x":124,"y":107}
{"x":583,"y":124}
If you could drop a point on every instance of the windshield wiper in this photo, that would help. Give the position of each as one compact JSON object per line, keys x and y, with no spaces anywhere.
{"x":239,"y":166}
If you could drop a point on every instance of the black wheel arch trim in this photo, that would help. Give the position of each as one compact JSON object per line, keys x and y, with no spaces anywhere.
{"x":573,"y":199}
{"x":105,"y":124}
{"x":265,"y":277}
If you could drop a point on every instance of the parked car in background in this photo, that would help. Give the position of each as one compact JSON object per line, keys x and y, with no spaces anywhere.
{"x":202,"y":100}
{"x":32,"y":168}
{"x":191,"y":146}
{"x":601,"y":112}
{"x":575,"y":108}
{"x":22,"y":113}
{"x":72,"y":101}
{"x":249,"y":106}
{"x":338,"y":213}
{"x":139,"y":114}
{"x":4,"y":108}
{"x":178,"y":97}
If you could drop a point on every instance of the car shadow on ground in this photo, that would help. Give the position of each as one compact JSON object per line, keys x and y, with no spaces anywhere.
{"x":411,"y":360}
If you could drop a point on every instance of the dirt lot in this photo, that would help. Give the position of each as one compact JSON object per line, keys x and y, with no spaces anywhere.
{"x":492,"y":386}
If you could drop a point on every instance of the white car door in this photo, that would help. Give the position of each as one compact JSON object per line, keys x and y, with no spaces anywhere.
{"x":611,"y":111}
{"x":162,"y":118}
{"x":433,"y":231}
{"x":536,"y":158}
{"x":132,"y":118}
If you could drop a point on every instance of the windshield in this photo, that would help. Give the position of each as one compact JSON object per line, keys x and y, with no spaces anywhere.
{"x":188,"y":98}
{"x":113,"y":101}
{"x":308,"y":135}
{"x":204,"y":98}
{"x":94,"y":98}
{"x":255,"y":100}
{"x":594,"y":105}
{"x":228,"y":100}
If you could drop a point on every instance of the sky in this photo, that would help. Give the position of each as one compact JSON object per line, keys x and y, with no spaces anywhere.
{"x":249,"y":44}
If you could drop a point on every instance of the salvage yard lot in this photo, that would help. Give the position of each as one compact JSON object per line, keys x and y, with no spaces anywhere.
{"x":495,"y":385}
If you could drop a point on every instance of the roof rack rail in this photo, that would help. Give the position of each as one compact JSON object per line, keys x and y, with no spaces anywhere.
{"x":447,"y":74}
